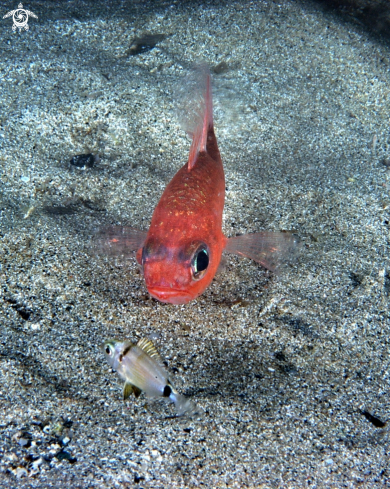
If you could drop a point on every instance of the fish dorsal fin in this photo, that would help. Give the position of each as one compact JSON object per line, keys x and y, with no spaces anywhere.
{"x":199,"y":136}
{"x":196,"y":110}
{"x":148,"y":347}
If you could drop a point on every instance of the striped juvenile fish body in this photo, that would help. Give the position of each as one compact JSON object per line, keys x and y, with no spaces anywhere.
{"x":139,"y":365}
{"x":138,"y":368}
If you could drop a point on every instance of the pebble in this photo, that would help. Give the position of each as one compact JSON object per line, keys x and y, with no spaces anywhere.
{"x":222,"y":67}
{"x":24,"y":442}
{"x":35,"y":465}
{"x":20,"y":472}
{"x":63,"y":455}
{"x":84,"y":161}
{"x":65,"y":440}
{"x":145,"y":43}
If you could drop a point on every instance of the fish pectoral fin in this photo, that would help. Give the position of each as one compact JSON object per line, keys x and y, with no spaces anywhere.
{"x":137,"y":391}
{"x":270,"y":249}
{"x":221,"y":268}
{"x":117,"y":240}
{"x":147,"y":346}
{"x":128,"y":389}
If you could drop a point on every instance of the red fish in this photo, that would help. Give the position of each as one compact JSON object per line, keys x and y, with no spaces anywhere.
{"x":182,"y":250}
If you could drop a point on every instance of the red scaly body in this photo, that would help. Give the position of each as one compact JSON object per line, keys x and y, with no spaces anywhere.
{"x":187,"y":217}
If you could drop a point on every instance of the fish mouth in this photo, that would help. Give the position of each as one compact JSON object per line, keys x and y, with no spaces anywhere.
{"x":172,"y":296}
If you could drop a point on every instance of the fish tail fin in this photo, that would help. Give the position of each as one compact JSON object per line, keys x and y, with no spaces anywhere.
{"x":183,"y":405}
{"x":196,"y":110}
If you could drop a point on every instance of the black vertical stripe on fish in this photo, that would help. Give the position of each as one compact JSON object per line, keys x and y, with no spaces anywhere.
{"x":373,"y":419}
{"x":125,"y":351}
{"x":167,"y":391}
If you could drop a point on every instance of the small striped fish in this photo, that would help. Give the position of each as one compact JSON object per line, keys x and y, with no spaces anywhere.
{"x":140,"y":366}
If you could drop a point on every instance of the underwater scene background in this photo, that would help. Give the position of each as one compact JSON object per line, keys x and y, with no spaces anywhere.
{"x":290,"y":370}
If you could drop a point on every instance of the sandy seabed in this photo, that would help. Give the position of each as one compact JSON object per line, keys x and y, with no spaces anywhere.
{"x":291,"y":371}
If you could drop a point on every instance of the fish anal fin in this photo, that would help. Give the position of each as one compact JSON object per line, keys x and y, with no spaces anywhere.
{"x":147,"y":346}
{"x":127,"y":390}
{"x":117,"y":240}
{"x":270,"y":249}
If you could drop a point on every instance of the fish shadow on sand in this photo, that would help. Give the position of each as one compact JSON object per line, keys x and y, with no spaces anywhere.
{"x":35,"y":375}
{"x":241,"y":371}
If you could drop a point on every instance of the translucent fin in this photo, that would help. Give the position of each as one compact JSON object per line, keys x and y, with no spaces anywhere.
{"x":118,"y":240}
{"x":127,"y":390}
{"x":147,"y":346}
{"x":268,"y":248}
{"x":137,"y":391}
{"x":196,"y":109}
{"x":221,"y":267}
{"x":183,"y":405}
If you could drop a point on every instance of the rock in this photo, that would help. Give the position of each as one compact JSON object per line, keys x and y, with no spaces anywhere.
{"x":84,"y":161}
{"x":145,"y":43}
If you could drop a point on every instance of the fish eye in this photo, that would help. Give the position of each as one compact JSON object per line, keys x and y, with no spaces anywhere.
{"x":108,"y":349}
{"x":200,"y":262}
